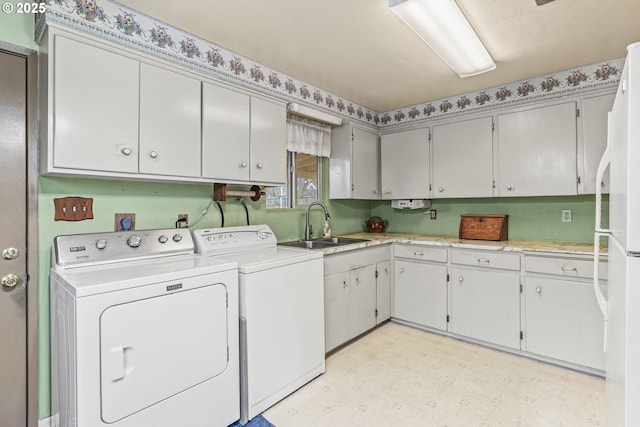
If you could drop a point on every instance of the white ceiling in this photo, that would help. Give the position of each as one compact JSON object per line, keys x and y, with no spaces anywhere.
{"x":361,"y":51}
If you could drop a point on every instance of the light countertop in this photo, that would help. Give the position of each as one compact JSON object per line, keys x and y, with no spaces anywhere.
{"x":375,"y":239}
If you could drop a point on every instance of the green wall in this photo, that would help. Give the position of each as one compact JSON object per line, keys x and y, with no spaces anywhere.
{"x":17,"y":28}
{"x":530,"y":218}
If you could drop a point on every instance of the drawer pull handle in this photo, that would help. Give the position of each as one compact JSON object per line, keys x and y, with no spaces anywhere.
{"x":565,"y":268}
{"x":418,"y":254}
{"x":483,"y":261}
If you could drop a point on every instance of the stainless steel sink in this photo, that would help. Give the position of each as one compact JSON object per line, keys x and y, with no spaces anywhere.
{"x":328,"y":242}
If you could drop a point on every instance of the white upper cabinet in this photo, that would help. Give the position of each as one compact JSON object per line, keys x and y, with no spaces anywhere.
{"x":243,"y":137}
{"x":169,"y":122}
{"x":463,"y":159}
{"x":92,"y":108}
{"x":593,"y":141}
{"x":354,"y":164}
{"x":536,"y":152}
{"x":268,"y":141}
{"x":404,"y":164}
{"x":225,"y":133}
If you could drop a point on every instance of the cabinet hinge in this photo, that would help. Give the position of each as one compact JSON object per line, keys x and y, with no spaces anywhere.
{"x":429,"y":136}
{"x":376,"y":312}
{"x":577,"y":112}
{"x":448,"y":278}
{"x":521,"y":335}
{"x":493,"y":184}
{"x":493,"y":127}
{"x":447,"y":318}
{"x":429,"y":187}
{"x":578,"y":180}
{"x":376,"y":274}
{"x":521,"y":289}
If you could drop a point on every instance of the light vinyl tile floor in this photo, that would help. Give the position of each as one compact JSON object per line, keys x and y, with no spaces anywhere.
{"x":401,"y":376}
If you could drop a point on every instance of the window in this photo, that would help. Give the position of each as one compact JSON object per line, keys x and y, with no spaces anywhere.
{"x":303,"y":182}
{"x":307,"y":142}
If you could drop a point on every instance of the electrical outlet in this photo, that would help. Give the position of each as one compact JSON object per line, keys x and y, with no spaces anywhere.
{"x":433,"y":214}
{"x":566,"y":215}
{"x":73,"y":209}
{"x":125,"y":221}
{"x":183,"y":221}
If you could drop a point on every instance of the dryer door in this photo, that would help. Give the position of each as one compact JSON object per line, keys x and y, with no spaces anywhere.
{"x":155,"y":348}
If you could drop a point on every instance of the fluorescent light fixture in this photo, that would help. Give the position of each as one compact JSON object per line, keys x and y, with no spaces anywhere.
{"x":442,"y":26}
{"x":320,"y":116}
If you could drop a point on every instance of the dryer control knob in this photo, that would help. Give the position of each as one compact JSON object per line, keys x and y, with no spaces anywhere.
{"x":101,"y":244}
{"x":177,"y":237}
{"x":163,"y":239}
{"x":134,"y":241}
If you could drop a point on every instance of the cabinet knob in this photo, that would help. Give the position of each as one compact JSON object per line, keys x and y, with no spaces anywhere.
{"x":375,"y":191}
{"x":441,"y":189}
{"x":460,"y":279}
{"x":259,"y":165}
{"x":126,"y":151}
{"x":344,"y":283}
{"x":357,"y":280}
{"x":401,"y":270}
{"x":243,"y":164}
{"x":510,"y":187}
{"x":153,"y":154}
{"x":539,"y":290}
{"x":386,"y":270}
{"x":387,"y":192}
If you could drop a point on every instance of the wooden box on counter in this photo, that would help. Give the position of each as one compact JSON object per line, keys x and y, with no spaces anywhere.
{"x":483,"y":227}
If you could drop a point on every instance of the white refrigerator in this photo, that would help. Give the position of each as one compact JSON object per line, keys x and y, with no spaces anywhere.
{"x":621,"y":308}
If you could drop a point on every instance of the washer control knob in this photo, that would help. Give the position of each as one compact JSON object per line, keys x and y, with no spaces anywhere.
{"x":163,"y":239}
{"x":177,"y":237}
{"x":101,"y":244}
{"x":134,"y":241}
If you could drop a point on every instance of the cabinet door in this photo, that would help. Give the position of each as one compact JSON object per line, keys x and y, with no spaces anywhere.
{"x":462,"y":159}
{"x":383,"y":291}
{"x":337,"y":310}
{"x":363,"y":299}
{"x":536,"y":152}
{"x":404,"y":164}
{"x":420,"y":293}
{"x":593,"y":117}
{"x":225,"y":133}
{"x":169,"y":122}
{"x":563,"y":321}
{"x":365,"y":165}
{"x":95,"y":108}
{"x":268,"y":142}
{"x":485,"y":305}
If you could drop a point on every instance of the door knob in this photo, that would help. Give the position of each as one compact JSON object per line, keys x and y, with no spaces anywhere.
{"x":10,"y":253}
{"x":10,"y":281}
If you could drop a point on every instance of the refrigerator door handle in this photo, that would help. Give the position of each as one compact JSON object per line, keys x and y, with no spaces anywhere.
{"x":605,"y":161}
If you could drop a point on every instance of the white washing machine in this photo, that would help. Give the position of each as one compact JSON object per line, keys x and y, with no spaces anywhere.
{"x":144,"y":332}
{"x":281,"y":312}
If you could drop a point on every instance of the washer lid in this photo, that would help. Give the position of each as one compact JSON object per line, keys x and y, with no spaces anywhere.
{"x":264,"y":259}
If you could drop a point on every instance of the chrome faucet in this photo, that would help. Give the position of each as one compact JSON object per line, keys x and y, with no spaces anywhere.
{"x":308,"y":231}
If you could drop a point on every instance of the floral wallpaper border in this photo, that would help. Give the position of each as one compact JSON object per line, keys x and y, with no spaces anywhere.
{"x":112,"y":21}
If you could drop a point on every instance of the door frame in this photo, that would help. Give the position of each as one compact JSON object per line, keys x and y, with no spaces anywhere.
{"x":31,"y":57}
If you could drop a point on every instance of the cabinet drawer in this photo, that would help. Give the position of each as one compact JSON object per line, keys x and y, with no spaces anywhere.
{"x":570,"y":267}
{"x":486,"y":259}
{"x":420,"y":252}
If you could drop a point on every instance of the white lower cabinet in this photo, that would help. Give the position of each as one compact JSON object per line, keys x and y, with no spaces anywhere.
{"x":356,"y":288}
{"x":562,"y":319}
{"x":485,"y":296}
{"x":421,"y":293}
